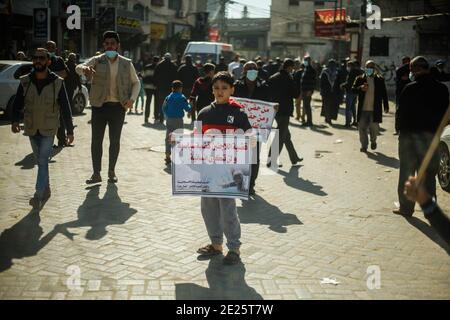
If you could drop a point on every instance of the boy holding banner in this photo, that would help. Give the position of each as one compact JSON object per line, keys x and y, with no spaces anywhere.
{"x":220,"y":214}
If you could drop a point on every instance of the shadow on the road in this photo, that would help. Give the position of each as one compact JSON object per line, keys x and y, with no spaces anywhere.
{"x":384,"y":160}
{"x":292,"y":179}
{"x":157,"y":126}
{"x":262,"y":212}
{"x":98,"y":213}
{"x":225,"y":283}
{"x":315,"y":128}
{"x":343,"y":127}
{"x":23,"y":240}
{"x":429,"y":232}
{"x":28,"y":162}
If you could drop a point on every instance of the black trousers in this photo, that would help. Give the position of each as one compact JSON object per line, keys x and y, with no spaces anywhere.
{"x":284,"y":136}
{"x":307,"y":108}
{"x":161,"y":94}
{"x":61,"y":134}
{"x":412,"y":148}
{"x":113,"y":115}
{"x":255,"y":167}
{"x":149,"y":93}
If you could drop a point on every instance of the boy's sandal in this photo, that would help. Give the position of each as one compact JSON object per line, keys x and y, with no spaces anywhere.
{"x":208,"y":250}
{"x":231,"y":258}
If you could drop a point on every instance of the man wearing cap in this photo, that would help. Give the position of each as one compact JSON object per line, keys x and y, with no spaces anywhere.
{"x":115,"y":87}
{"x":165,"y":74}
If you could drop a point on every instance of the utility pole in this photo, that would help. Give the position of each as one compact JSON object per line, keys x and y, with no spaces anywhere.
{"x":222,"y":20}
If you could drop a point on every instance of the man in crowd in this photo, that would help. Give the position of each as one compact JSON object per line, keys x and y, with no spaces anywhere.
{"x":165,"y":74}
{"x":115,"y":87}
{"x":422,"y":105}
{"x":150,"y":88}
{"x":188,"y":74}
{"x":41,"y":97}
{"x":401,"y":80}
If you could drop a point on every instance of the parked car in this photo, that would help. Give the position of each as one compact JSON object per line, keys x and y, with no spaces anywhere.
{"x":444,"y":159}
{"x":11,"y":70}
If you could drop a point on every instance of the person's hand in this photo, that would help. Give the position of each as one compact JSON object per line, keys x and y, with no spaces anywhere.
{"x":364,"y":87}
{"x":416,"y":192}
{"x":69,"y":139}
{"x":15,"y":127}
{"x":88,"y":71}
{"x":128,"y":104}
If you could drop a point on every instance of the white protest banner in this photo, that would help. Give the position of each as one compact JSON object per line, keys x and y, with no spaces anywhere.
{"x":211,"y":165}
{"x":260,"y":115}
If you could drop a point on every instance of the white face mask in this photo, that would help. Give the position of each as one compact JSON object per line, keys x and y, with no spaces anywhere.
{"x":252,"y":75}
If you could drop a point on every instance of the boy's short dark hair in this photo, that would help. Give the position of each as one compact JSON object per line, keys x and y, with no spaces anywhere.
{"x":208,"y":67}
{"x":177,"y":84}
{"x":223,"y":76}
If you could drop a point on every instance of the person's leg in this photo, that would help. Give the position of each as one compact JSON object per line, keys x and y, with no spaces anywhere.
{"x":211,"y":216}
{"x":61,"y":134}
{"x":423,"y":142}
{"x":255,"y":168}
{"x":408,"y":167}
{"x":293,"y":156}
{"x":116,"y":117}
{"x":148,"y":101}
{"x":307,"y":108}
{"x":156,"y":104}
{"x":42,"y":149}
{"x":231,"y":223}
{"x":98,"y":125}
{"x":353,"y":108}
{"x":363,"y":126}
{"x":348,"y":108}
{"x":373,"y":130}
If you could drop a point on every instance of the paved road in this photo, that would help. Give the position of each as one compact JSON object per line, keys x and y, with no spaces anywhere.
{"x":330,"y":218}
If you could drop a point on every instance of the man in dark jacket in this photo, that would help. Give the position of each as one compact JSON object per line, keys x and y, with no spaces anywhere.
{"x":372,"y":95}
{"x":307,"y":84}
{"x":73,"y":80}
{"x":202,"y":95}
{"x":422,"y":105}
{"x":252,"y":87}
{"x":222,"y":66}
{"x":165,"y":74}
{"x":401,"y":80}
{"x":150,"y":88}
{"x":350,"y":97}
{"x":283,"y":91}
{"x":188,"y":74}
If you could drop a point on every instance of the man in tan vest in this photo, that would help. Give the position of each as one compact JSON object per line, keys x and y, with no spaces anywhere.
{"x":41,"y":98}
{"x":115,"y":87}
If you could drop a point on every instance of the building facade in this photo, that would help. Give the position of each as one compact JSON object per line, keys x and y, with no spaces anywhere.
{"x":249,"y":36}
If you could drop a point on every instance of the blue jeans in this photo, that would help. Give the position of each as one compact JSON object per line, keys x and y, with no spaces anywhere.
{"x":350,"y":107}
{"x":42,"y":149}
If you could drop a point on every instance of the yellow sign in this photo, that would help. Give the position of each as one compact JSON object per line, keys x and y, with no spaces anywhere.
{"x":128,"y":22}
{"x":158,"y":31}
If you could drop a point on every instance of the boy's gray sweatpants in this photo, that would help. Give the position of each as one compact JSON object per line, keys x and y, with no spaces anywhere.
{"x":220,"y":216}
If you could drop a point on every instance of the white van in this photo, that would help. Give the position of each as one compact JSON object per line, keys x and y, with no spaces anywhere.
{"x":204,"y":51}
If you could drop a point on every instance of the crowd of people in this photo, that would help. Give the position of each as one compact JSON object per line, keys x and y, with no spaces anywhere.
{"x":43,"y":100}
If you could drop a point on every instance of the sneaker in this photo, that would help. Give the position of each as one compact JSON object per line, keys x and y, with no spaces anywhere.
{"x":373,"y":145}
{"x":252,"y":192}
{"x":363,"y":149}
{"x":296,"y":163}
{"x":95,"y":178}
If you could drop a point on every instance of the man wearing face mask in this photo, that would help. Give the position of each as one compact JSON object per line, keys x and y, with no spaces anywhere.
{"x":372,"y":98}
{"x":58,"y":66}
{"x":41,"y":97}
{"x":115,"y":87}
{"x":252,"y":87}
{"x":307,"y":85}
{"x":422,"y":105}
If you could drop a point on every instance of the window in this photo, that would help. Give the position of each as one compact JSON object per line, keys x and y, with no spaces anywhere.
{"x":294,"y":2}
{"x":159,"y":3}
{"x":293,"y":27}
{"x":139,"y":10}
{"x":175,"y":4}
{"x":379,"y":46}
